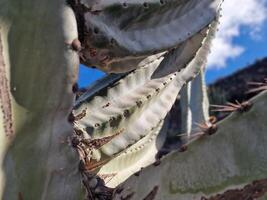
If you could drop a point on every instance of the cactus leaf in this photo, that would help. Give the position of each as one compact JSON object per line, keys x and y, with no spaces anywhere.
{"x":230,"y":159}
{"x":139,"y":100}
{"x":129,"y":30}
{"x":38,"y":69}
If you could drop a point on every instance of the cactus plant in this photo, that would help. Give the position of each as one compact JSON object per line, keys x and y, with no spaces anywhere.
{"x":233,"y":157}
{"x":37,"y":71}
{"x":118,"y":126}
{"x":116,"y":35}
{"x":136,"y":104}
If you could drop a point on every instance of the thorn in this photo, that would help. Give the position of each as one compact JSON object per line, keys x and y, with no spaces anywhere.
{"x":231,"y":107}
{"x":98,"y":143}
{"x":261,"y":86}
{"x":183,"y":148}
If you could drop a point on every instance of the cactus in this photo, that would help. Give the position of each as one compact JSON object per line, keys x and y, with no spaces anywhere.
{"x":194,"y":104}
{"x":116,"y":35}
{"x":37,"y":71}
{"x":233,"y":157}
{"x":136,"y":103}
{"x":119,"y":125}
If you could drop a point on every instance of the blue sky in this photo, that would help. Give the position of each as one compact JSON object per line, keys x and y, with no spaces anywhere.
{"x":241,"y":39}
{"x":254,"y":49}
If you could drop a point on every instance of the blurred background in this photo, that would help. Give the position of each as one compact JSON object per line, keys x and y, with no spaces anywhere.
{"x":241,"y":41}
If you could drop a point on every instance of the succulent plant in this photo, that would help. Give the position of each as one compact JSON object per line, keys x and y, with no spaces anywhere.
{"x":117,"y":35}
{"x":37,"y":71}
{"x":158,"y":49}
{"x":135,"y":105}
{"x":213,"y":165}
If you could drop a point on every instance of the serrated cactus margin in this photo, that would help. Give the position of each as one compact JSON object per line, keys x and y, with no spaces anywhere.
{"x":139,"y":100}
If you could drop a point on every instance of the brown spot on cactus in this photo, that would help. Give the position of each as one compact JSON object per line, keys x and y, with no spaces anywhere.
{"x":137,"y":173}
{"x":128,"y":196}
{"x":114,"y":122}
{"x":96,"y":30}
{"x":78,"y":131}
{"x":20,"y":197}
{"x":139,"y":103}
{"x":73,"y":118}
{"x":75,"y":88}
{"x":145,"y":5}
{"x":92,"y":52}
{"x":5,"y":99}
{"x":157,"y":163}
{"x":119,"y":190}
{"x":206,"y":128}
{"x":183,"y":148}
{"x":76,"y":45}
{"x":152,"y":194}
{"x":106,"y":105}
{"x":124,"y":5}
{"x":252,"y":191}
{"x":162,"y":2}
{"x":75,"y":142}
{"x":126,"y":113}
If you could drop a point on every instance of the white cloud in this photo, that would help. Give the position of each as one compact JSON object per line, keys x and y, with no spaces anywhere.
{"x":236,"y":14}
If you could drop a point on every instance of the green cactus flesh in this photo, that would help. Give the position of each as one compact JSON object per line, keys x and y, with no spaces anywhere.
{"x":37,"y":71}
{"x":230,"y":159}
{"x":194,"y":105}
{"x":139,"y":100}
{"x":115,"y":33}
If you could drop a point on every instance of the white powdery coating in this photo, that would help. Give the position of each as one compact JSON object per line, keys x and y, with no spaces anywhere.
{"x":235,"y":15}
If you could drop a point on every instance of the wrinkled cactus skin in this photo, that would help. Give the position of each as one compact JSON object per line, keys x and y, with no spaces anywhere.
{"x":37,"y":71}
{"x":231,"y":158}
{"x":135,"y":103}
